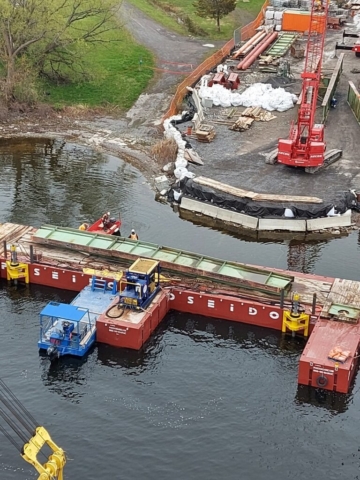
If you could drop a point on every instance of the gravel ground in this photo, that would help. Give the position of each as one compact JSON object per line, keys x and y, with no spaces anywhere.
{"x":237,"y":158}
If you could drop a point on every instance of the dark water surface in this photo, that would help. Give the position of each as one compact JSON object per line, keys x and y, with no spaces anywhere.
{"x":205,"y":399}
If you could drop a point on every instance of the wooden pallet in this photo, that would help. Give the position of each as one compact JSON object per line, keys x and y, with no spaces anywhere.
{"x":343,"y":301}
{"x":205,"y":134}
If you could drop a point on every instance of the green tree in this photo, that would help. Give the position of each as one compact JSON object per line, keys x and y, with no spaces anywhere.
{"x":49,"y":35}
{"x":216,"y":9}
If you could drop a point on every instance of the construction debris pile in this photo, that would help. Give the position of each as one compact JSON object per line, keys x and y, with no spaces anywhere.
{"x":257,"y":95}
{"x":244,"y":119}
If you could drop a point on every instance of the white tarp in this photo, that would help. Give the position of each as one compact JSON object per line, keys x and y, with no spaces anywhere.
{"x":257,"y":95}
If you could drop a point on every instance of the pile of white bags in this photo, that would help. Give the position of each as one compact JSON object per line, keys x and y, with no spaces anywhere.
{"x":257,"y":95}
{"x":181,"y":163}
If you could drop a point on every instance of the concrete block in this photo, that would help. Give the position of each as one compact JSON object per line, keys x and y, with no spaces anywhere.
{"x":198,"y":207}
{"x":219,"y":213}
{"x":238,"y":218}
{"x":191,"y":205}
{"x":224,"y":215}
{"x":288,"y":225}
{"x":209,"y":210}
{"x":329,"y":222}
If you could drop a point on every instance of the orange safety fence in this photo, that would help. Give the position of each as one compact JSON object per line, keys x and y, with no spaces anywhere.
{"x":193,"y":78}
{"x":250,"y":29}
{"x":210,"y":63}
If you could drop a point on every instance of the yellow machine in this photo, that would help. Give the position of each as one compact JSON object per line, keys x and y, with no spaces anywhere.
{"x":296,"y":319}
{"x":17,"y":423}
{"x":54,"y":467}
{"x":16,"y":270}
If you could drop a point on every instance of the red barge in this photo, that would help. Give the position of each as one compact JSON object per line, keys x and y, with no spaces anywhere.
{"x":327,"y":310}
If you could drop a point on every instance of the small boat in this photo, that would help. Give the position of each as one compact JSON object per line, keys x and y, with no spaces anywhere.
{"x":70,"y":329}
{"x":65,"y":330}
{"x":105,"y":224}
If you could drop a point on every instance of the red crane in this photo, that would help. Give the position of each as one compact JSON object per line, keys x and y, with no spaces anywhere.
{"x":305,"y":146}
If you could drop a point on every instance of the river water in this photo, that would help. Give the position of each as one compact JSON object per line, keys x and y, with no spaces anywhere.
{"x":205,"y":399}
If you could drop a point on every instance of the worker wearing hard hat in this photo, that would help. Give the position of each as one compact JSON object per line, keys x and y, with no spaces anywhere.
{"x":106,"y":220}
{"x":133,"y":235}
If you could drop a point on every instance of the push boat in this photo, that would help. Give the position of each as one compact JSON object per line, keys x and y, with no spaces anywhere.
{"x":70,"y":329}
{"x":323,"y":310}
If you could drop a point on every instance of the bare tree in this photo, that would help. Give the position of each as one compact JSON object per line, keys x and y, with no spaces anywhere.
{"x":54,"y":30}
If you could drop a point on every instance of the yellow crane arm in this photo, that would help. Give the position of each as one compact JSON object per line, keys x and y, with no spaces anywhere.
{"x":54,"y":467}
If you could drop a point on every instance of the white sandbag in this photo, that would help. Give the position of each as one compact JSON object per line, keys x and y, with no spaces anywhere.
{"x":180,"y":172}
{"x":177,"y":195}
{"x":168,"y":167}
{"x":190,"y":174}
{"x":288,"y":213}
{"x":257,"y":95}
{"x":180,"y":162}
{"x":332,"y":213}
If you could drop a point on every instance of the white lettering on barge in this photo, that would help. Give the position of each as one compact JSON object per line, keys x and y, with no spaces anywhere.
{"x":211,"y":303}
{"x":114,"y":329}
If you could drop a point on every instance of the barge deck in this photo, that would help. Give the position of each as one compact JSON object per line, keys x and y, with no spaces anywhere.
{"x":67,"y":258}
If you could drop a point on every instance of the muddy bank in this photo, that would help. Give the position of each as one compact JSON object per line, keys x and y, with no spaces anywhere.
{"x":128,"y":137}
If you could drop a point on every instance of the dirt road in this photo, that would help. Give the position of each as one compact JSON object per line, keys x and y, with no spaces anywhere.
{"x":175,"y":55}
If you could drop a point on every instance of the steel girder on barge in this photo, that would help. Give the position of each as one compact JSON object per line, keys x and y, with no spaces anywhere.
{"x":171,"y":259}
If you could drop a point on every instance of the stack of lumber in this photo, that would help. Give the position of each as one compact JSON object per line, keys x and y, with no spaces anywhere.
{"x":268,"y":63}
{"x":258,"y":114}
{"x":205,"y":133}
{"x":268,"y":60}
{"x":242,"y":124}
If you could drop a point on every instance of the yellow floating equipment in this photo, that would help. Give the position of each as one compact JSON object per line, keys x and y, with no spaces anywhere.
{"x":296,"y":320}
{"x":16,"y":270}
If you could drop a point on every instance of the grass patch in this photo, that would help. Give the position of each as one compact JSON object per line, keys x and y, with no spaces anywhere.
{"x":244,"y":12}
{"x":253,"y":6}
{"x":121,"y":71}
{"x":160,"y":16}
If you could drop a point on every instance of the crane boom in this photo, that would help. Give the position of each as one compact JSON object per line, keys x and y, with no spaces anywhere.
{"x":17,"y":423}
{"x":305,"y":146}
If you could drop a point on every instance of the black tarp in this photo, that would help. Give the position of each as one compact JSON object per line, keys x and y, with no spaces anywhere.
{"x":191,"y":189}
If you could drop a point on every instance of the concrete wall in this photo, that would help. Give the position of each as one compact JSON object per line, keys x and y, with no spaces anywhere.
{"x":265,"y":224}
